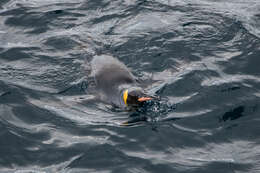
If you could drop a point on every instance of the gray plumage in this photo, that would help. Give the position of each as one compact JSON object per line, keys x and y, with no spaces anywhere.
{"x":111,"y":78}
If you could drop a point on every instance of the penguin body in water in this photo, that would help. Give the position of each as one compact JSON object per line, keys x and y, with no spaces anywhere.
{"x":115,"y":84}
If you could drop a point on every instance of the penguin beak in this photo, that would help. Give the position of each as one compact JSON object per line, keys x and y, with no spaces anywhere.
{"x":143,"y":99}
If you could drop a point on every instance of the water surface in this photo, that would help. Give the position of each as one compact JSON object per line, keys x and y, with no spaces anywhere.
{"x":201,"y":57}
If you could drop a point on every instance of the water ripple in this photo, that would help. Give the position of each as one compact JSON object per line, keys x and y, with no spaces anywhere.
{"x":199,"y":57}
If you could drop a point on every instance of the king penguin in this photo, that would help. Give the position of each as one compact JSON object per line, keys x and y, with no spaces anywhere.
{"x":115,"y":84}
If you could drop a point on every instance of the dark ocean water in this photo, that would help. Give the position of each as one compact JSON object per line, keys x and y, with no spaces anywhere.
{"x":201,"y":57}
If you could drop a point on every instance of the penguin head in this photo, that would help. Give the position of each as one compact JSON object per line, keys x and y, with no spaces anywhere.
{"x":135,"y":97}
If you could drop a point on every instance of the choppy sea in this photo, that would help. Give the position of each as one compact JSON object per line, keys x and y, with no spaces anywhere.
{"x":202,"y":57}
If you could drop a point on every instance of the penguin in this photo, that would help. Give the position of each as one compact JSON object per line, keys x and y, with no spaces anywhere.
{"x":115,"y":84}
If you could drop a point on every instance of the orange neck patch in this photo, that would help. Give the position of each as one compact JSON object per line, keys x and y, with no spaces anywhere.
{"x":125,"y":95}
